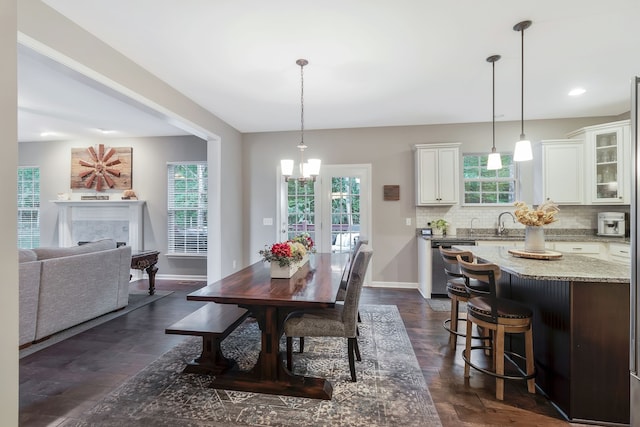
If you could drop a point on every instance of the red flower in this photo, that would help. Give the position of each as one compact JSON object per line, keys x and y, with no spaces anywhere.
{"x":281,"y":250}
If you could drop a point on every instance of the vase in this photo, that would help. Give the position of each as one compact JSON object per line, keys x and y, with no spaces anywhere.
{"x":287,"y":271}
{"x":534,"y":239}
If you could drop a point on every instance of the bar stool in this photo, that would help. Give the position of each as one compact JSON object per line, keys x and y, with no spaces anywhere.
{"x":457,"y":291}
{"x":500,"y":316}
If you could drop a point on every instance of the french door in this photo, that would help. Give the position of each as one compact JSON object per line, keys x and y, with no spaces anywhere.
{"x":335,"y":210}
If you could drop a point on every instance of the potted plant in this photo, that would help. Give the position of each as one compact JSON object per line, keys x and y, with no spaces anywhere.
{"x":441,"y":226}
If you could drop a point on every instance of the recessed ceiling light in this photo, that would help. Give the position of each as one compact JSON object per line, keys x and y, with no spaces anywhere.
{"x":47,"y":133}
{"x":106,"y":131}
{"x":577,"y":91}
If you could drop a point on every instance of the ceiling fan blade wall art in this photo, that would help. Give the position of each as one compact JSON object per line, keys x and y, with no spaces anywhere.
{"x":102,"y":169}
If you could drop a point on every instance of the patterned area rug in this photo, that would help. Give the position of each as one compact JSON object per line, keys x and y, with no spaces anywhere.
{"x":390,"y":390}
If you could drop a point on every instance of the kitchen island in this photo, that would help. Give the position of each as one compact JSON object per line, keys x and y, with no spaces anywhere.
{"x":580,"y":327}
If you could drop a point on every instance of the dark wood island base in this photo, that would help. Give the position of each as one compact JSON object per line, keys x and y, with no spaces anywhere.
{"x":581,"y":314}
{"x":581,"y":345}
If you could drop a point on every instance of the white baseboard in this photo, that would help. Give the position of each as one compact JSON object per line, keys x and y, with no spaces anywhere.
{"x":186,"y":278}
{"x":397,"y":285}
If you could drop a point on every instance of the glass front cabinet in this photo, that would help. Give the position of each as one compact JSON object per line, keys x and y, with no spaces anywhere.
{"x":608,"y":162}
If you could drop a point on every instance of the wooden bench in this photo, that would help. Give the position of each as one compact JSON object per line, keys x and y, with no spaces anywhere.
{"x":213,"y":323}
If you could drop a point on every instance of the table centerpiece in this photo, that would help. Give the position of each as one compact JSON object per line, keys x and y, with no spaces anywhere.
{"x":534,"y":220}
{"x":286,"y":258}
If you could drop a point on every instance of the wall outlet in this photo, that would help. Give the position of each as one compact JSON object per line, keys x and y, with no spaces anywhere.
{"x":234,"y":264}
{"x":408,"y":221}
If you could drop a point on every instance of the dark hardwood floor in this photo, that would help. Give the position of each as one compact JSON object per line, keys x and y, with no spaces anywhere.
{"x":69,"y":377}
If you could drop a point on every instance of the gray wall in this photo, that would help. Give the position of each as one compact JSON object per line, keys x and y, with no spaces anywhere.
{"x":389,"y":151}
{"x":43,"y":29}
{"x":149,"y":170}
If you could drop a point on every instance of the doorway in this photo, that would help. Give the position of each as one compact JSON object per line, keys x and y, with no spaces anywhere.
{"x":335,"y":210}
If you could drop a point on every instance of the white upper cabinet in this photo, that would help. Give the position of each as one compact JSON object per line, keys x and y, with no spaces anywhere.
{"x":437,"y":174}
{"x":608,"y":162}
{"x":560,"y":175}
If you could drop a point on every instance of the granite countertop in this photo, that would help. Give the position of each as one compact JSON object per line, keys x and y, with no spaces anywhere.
{"x":520,"y":237}
{"x":575,"y":268}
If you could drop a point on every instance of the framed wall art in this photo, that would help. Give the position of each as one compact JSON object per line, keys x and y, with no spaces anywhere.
{"x":102,"y":168}
{"x":391,"y":192}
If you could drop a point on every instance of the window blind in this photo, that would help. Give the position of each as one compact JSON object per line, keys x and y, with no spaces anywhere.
{"x":187,"y":184}
{"x":28,"y":207}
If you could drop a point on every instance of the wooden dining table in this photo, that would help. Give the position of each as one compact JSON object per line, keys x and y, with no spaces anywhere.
{"x":269,"y":300}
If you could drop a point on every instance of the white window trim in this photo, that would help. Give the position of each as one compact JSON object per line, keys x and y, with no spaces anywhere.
{"x":515,"y":179}
{"x":171,"y":253}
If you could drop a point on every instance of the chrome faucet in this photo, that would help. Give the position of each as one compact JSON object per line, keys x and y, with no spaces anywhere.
{"x":501,"y":230}
{"x":471,"y":230}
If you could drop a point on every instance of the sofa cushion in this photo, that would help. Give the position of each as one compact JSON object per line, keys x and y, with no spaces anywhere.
{"x":26,"y":255}
{"x":98,"y":245}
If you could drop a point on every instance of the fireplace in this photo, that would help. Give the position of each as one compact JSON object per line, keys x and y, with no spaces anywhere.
{"x":88,"y":220}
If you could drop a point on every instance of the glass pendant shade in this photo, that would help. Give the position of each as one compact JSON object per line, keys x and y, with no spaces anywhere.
{"x":494,"y":161}
{"x":286,"y":166}
{"x":522,"y":151}
{"x":313,"y":166}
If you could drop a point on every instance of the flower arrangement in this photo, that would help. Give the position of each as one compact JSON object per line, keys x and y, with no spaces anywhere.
{"x":285,"y":253}
{"x":543,"y":215}
{"x":306,"y":241}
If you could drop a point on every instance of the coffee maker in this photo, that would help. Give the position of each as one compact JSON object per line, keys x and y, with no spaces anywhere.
{"x":611,"y":224}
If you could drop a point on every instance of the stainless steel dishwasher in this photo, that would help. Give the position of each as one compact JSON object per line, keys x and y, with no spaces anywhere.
{"x":438,"y":277}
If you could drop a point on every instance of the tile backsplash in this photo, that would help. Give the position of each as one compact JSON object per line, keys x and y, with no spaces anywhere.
{"x":569,"y":217}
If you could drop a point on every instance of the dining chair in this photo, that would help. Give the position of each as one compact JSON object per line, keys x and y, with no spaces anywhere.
{"x":339,"y":321}
{"x":501,"y":316}
{"x":342,"y":291}
{"x":347,"y":270}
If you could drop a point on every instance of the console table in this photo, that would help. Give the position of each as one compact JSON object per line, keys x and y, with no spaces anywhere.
{"x":146,"y":260}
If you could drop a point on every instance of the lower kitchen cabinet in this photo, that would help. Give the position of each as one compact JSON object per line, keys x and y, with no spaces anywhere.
{"x":620,"y":253}
{"x":592,"y":249}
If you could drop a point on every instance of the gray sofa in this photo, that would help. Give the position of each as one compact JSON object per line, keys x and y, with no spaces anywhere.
{"x":63,"y":287}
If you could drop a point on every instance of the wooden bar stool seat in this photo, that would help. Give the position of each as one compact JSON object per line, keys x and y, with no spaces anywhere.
{"x":458,"y":291}
{"x":501,"y":316}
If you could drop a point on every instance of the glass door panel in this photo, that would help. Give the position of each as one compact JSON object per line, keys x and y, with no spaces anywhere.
{"x":345,"y":213}
{"x":607,"y":165}
{"x":301,"y":209}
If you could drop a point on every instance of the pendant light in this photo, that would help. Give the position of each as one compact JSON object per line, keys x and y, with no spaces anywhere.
{"x":494,"y":162}
{"x":522,"y":151}
{"x":311,"y":169}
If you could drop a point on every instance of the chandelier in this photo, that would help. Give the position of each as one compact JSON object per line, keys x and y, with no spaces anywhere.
{"x":309,"y":170}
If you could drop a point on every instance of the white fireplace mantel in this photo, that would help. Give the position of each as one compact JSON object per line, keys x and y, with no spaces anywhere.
{"x":100,"y":210}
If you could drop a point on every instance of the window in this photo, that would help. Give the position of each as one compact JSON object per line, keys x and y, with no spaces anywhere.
{"x":28,"y":207}
{"x":488,"y":187}
{"x":187,"y":208}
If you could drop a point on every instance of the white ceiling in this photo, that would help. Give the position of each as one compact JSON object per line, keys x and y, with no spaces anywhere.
{"x":57,"y":103}
{"x":371,"y":62}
